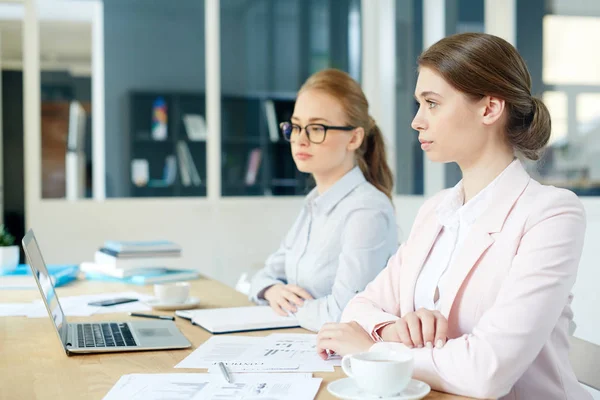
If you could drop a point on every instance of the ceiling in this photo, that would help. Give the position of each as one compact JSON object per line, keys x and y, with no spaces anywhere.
{"x":67,"y":45}
{"x":63,"y":46}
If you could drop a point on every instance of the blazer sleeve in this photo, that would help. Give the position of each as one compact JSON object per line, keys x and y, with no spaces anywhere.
{"x":380,"y":302}
{"x":509,"y":336}
{"x":369,"y":238}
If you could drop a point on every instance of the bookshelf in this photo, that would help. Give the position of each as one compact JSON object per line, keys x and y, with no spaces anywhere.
{"x":256,"y":160}
{"x":158,"y":176}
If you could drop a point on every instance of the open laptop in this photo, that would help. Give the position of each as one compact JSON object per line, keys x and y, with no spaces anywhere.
{"x":98,"y":337}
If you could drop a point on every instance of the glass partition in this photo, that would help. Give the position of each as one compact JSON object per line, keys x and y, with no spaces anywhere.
{"x":460,"y":16}
{"x":66,"y":108}
{"x":556,"y":40}
{"x":409,"y":43}
{"x":268,"y":49}
{"x":155,"y":98}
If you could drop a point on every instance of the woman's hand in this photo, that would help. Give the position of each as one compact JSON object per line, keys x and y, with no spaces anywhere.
{"x":342,"y":339}
{"x":418,"y":329}
{"x":285,"y":298}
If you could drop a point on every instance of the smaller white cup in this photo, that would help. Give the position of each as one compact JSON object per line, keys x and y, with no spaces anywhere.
{"x":378,"y":373}
{"x":172,"y":293}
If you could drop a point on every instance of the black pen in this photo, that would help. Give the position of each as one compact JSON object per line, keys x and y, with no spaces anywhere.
{"x":167,"y":317}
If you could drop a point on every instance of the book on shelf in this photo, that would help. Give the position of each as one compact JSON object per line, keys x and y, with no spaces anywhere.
{"x":169,"y":173}
{"x":195,"y":127}
{"x":189,"y":172}
{"x":253,"y":165}
{"x":272,"y":120}
{"x":186,"y":179}
{"x":170,"y":170}
{"x":196,"y":181}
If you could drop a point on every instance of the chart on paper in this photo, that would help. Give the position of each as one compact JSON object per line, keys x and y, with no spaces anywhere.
{"x":276,"y":352}
{"x":288,"y":348}
{"x":218,"y":348}
{"x":297,"y":348}
{"x":207,"y":386}
{"x":158,"y":387}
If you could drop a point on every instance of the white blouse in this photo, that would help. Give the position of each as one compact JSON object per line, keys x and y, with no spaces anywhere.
{"x":340,"y":242}
{"x":456,"y":219}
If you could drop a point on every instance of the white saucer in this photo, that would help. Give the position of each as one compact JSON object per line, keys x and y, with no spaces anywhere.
{"x":191,"y":302}
{"x":346,"y":389}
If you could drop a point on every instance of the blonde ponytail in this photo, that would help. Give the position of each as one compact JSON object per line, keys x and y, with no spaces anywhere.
{"x":372,"y":160}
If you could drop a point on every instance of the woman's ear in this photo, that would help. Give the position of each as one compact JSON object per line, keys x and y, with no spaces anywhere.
{"x":493,"y":109}
{"x":358,"y":135}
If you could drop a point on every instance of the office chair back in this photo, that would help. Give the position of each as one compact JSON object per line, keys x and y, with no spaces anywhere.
{"x":585,"y":359}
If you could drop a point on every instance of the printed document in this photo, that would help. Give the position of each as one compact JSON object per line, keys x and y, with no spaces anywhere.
{"x":276,"y":352}
{"x":212,"y":386}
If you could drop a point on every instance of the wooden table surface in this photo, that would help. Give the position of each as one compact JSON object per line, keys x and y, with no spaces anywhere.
{"x":33,"y":364}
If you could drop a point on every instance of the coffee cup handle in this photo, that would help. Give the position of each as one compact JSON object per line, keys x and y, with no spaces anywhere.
{"x":346,"y":367}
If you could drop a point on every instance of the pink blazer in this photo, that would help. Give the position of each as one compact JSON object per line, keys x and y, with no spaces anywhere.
{"x":509,"y":305}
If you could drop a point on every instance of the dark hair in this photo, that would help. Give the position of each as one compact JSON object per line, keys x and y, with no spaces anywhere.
{"x":478,"y":65}
{"x":371,"y":155}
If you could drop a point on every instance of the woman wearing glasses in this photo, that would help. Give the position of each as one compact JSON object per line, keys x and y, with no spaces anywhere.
{"x":347,"y":229}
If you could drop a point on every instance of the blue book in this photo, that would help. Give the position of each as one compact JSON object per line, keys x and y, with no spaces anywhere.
{"x":146,"y":278}
{"x":60,"y":274}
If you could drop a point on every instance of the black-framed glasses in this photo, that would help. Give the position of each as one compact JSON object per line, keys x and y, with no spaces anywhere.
{"x":314,"y":132}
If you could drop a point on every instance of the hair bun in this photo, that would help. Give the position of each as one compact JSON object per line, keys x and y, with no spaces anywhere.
{"x":539,"y":131}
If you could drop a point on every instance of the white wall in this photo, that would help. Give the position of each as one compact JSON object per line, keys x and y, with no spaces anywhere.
{"x":224,"y":239}
{"x":220,"y":239}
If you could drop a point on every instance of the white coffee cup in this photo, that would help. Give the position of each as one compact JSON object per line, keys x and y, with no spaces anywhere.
{"x":172,"y":293}
{"x":378,"y":373}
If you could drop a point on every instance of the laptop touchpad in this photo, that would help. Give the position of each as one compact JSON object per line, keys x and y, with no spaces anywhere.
{"x":154,"y":332}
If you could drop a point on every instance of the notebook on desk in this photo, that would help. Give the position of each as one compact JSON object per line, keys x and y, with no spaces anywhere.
{"x":238,"y":319}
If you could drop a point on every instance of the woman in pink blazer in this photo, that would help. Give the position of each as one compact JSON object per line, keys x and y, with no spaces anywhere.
{"x":480,"y":291}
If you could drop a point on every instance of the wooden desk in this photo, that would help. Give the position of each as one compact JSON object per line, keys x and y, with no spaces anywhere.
{"x":33,"y":364}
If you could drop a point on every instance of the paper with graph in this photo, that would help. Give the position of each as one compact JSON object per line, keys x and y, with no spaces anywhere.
{"x":209,"y":386}
{"x":274,"y":353}
{"x":296,"y":348}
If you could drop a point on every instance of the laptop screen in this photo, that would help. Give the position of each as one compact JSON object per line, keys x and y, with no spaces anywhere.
{"x":38,"y":268}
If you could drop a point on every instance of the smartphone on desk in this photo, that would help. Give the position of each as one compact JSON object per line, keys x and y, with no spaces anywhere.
{"x":111,"y":302}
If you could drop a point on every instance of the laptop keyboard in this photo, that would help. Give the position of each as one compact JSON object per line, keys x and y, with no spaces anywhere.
{"x":105,"y":335}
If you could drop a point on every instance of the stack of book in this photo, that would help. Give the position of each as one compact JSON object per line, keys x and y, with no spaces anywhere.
{"x":138,"y":262}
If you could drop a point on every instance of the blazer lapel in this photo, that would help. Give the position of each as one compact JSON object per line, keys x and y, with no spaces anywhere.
{"x":414,"y":260}
{"x":507,"y":191}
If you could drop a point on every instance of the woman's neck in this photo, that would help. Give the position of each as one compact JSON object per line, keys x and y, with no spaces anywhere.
{"x":480,"y":173}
